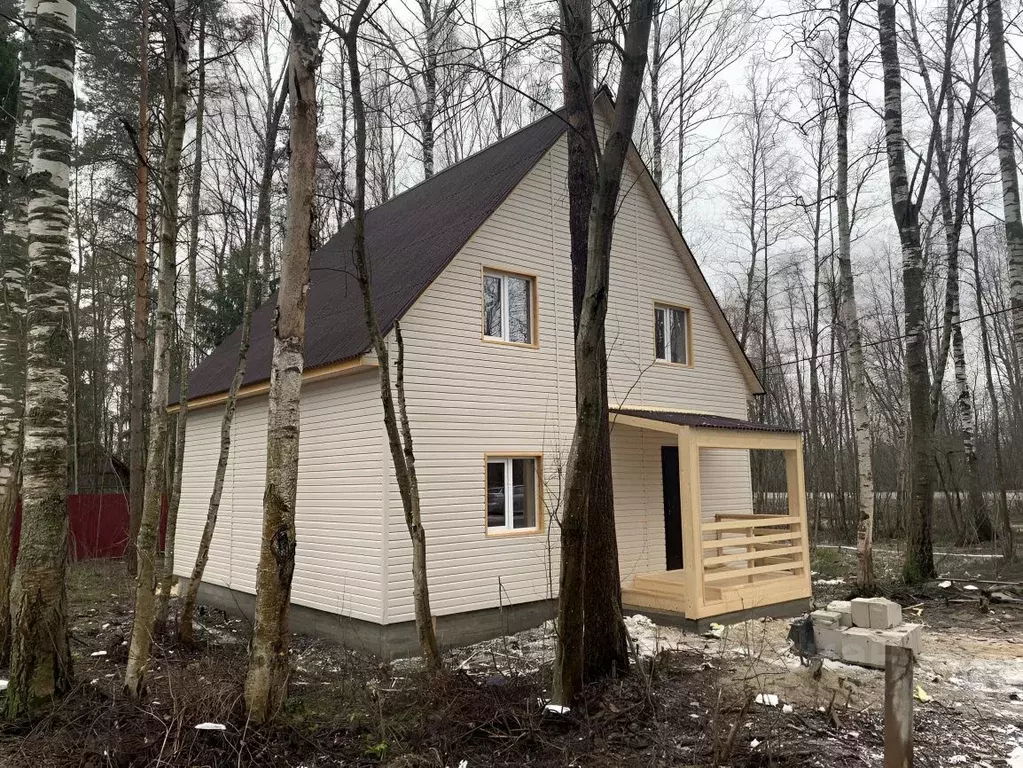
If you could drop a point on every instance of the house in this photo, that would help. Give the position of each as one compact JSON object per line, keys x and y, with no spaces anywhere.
{"x":474,"y":264}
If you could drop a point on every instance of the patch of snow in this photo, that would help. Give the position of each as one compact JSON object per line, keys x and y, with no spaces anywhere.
{"x":3,"y":685}
{"x":754,"y":744}
{"x":98,"y":653}
{"x":210,"y":727}
{"x":557,"y":709}
{"x":787,"y":709}
{"x":829,"y":582}
{"x":767,"y":699}
{"x":945,"y":584}
{"x":1016,"y":758}
{"x":971,"y":588}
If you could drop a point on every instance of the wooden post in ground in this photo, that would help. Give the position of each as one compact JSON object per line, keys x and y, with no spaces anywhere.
{"x":898,"y":707}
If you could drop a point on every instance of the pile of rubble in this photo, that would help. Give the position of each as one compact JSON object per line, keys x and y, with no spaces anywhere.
{"x":858,"y":631}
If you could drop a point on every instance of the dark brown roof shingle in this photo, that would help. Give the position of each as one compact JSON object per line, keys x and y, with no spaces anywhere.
{"x":685,"y":419}
{"x":409,"y":241}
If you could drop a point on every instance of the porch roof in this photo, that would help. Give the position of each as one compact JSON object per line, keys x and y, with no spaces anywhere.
{"x":701,"y":420}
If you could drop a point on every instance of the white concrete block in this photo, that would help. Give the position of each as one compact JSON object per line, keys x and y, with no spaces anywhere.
{"x":863,"y":646}
{"x":826,"y":618}
{"x":829,"y":642}
{"x":844,"y":608}
{"x":884,"y":614}
{"x":904,"y":636}
{"x":861,"y":612}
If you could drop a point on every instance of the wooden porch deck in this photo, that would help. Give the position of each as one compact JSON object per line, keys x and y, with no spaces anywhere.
{"x":732,"y":562}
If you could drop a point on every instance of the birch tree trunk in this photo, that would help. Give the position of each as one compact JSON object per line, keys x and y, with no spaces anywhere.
{"x":399,"y":436}
{"x":167,"y":576}
{"x":851,"y":321}
{"x":266,"y":684}
{"x":591,"y":401}
{"x":149,"y":526}
{"x":13,"y":305}
{"x":1013,"y":217}
{"x":140,"y":323}
{"x":40,"y":655}
{"x":186,"y":625}
{"x":919,"y":564}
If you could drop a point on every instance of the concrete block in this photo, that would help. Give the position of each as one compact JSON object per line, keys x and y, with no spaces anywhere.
{"x":863,"y":646}
{"x":826,"y":618}
{"x":904,"y":636}
{"x":884,"y":614}
{"x":844,"y":608}
{"x":828,"y":641}
{"x":861,"y":612}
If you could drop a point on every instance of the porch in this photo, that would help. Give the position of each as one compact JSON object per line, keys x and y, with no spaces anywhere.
{"x":719,"y":555}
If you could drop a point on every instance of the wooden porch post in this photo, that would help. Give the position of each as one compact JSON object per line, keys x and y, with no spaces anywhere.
{"x":692,"y":522}
{"x":796,"y":487}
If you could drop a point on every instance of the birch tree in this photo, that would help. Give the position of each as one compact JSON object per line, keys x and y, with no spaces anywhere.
{"x":149,"y":526}
{"x":919,"y":563}
{"x":40,"y":655}
{"x":850,"y":316}
{"x":140,"y":320}
{"x":166,"y":580}
{"x":14,"y":269}
{"x":604,"y":165}
{"x":266,"y":684}
{"x":1004,"y":130}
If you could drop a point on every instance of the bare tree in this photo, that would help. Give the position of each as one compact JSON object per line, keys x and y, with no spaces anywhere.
{"x":919,"y":564}
{"x":1004,"y":128}
{"x":266,"y":684}
{"x":140,"y":327}
{"x":149,"y":526}
{"x":605,"y":167}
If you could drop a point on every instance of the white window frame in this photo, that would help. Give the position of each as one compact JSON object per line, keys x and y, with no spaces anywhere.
{"x":509,"y":500}
{"x":505,"y":337}
{"x":662,"y":355}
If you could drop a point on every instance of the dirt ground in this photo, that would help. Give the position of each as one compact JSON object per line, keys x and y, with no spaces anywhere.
{"x":689,"y":702}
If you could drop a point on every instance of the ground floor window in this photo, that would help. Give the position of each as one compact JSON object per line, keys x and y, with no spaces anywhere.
{"x":513,"y":497}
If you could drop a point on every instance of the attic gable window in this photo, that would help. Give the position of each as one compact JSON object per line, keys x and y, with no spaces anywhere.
{"x":671,"y":334}
{"x":509,"y":307}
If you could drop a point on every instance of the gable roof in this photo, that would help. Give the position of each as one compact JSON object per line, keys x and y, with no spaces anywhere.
{"x":410,"y":240}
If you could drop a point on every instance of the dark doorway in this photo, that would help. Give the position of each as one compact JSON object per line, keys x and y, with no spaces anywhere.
{"x":672,"y":507}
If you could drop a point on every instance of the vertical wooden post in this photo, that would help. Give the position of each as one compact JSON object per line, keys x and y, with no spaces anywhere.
{"x":796,"y":487}
{"x":692,"y":524}
{"x":898,"y":707}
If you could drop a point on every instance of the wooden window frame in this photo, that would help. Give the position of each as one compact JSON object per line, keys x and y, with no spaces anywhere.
{"x":504,"y":532}
{"x":534,"y":308}
{"x":689,"y":333}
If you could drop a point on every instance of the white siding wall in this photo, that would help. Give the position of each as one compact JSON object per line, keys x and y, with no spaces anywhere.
{"x":339,"y":563}
{"x":468,"y":397}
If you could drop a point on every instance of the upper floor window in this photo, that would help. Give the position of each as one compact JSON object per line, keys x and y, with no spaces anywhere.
{"x":671,"y":334}
{"x":509,"y":310}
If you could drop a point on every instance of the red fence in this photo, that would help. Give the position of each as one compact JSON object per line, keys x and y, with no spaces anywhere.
{"x":99,"y":525}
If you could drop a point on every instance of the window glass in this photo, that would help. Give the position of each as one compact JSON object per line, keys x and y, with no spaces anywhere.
{"x":520,"y":309}
{"x":512,"y":496}
{"x":492,"y":306}
{"x":495,"y":494}
{"x":677,"y":335}
{"x":671,"y":336}
{"x":659,"y":332}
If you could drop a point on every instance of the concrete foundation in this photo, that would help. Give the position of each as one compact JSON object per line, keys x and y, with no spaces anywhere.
{"x":699,"y":626}
{"x":388,"y":641}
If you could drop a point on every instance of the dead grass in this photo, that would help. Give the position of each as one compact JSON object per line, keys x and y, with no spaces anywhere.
{"x":686,"y":707}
